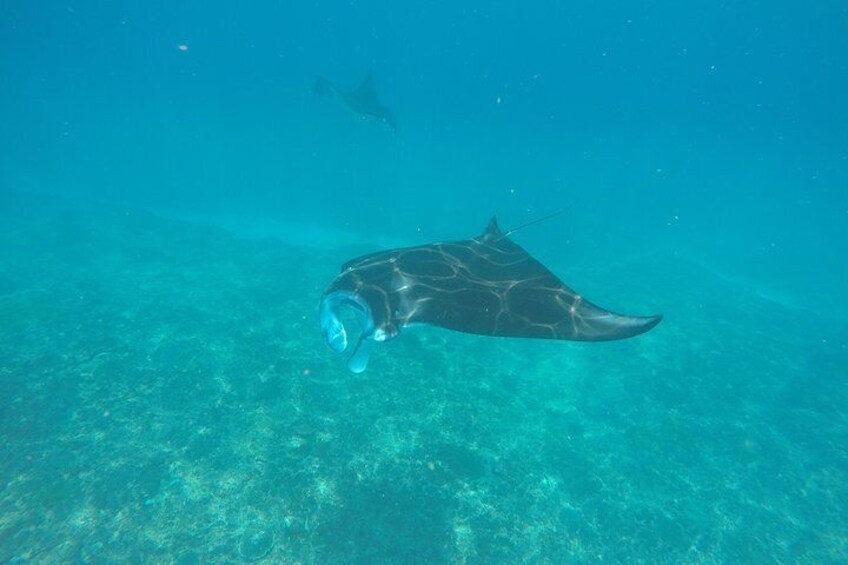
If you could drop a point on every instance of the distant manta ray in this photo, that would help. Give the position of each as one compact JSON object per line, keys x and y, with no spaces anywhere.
{"x":487,"y":285}
{"x":363,"y":100}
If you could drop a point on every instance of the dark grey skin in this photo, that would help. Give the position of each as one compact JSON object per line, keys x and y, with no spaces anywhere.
{"x":363,"y":100}
{"x":487,"y":285}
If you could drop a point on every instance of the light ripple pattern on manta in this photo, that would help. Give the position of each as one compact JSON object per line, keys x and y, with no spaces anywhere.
{"x":488,"y":285}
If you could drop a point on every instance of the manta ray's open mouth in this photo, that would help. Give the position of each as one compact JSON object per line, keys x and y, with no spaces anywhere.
{"x":333,"y":307}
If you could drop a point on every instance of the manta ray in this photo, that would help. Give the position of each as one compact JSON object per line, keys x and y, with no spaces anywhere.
{"x":487,"y":285}
{"x":363,"y":100}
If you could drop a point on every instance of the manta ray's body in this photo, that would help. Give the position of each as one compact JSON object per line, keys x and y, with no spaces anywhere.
{"x":487,"y":285}
{"x":362,"y":100}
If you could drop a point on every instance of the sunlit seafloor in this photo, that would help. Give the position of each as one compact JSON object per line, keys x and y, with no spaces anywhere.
{"x":167,"y":398}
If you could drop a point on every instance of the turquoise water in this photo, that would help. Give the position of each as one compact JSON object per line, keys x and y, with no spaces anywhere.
{"x":174,"y":199}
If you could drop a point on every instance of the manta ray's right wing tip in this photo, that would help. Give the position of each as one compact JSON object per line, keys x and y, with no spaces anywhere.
{"x":631,"y":326}
{"x":610,"y":327}
{"x":652,"y":322}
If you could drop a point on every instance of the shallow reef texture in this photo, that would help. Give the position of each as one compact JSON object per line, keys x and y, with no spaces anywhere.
{"x":165,"y":397}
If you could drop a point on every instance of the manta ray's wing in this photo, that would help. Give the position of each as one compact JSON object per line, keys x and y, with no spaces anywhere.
{"x":489,"y":285}
{"x":366,"y":88}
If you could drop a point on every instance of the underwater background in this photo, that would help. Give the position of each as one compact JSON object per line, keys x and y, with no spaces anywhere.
{"x":174,"y":198}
